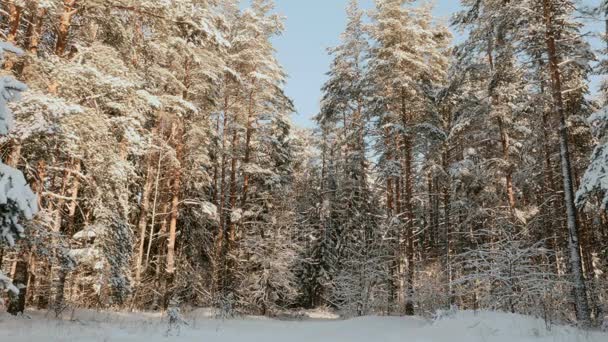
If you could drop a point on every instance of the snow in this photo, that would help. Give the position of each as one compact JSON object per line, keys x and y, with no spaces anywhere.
{"x":16,"y":198}
{"x":200,"y":325}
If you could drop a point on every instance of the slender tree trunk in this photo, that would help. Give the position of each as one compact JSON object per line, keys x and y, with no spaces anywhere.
{"x":232,"y":233}
{"x":73,"y":198}
{"x":59,"y":284}
{"x":154,"y":214}
{"x":15,"y":155}
{"x":549,"y":192}
{"x":409,"y":209}
{"x":505,"y":142}
{"x":233,"y":186}
{"x":248,"y":137}
{"x":580,"y":291}
{"x":20,"y":277}
{"x":447,"y":203}
{"x":504,"y":135}
{"x":65,"y":22}
{"x":216,"y":164}
{"x":36,"y":33}
{"x":221,"y":234}
{"x":35,"y":278}
{"x":31,"y":280}
{"x":142,"y":223}
{"x":409,"y":304}
{"x":59,"y":303}
{"x":14,"y":19}
{"x":170,"y":276}
{"x":360,"y":125}
{"x":389,"y":179}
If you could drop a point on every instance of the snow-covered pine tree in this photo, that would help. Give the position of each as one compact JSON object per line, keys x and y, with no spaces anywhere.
{"x":407,"y":60}
{"x":351,"y":204}
{"x":595,"y":181}
{"x":17,"y":201}
{"x":556,"y":17}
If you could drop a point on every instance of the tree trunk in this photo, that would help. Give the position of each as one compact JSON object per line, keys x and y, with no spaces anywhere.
{"x":20,"y":277}
{"x":504,"y":135}
{"x":36,"y":30}
{"x":65,"y":21}
{"x":409,"y":209}
{"x":221,"y":233}
{"x":142,"y":222}
{"x":505,"y":142}
{"x":216,"y":164}
{"x":14,"y":19}
{"x":248,"y":137}
{"x":233,"y":185}
{"x":59,"y":302}
{"x":15,"y":155}
{"x":447,"y":203}
{"x":73,"y":199}
{"x":59,"y":285}
{"x":409,"y":304}
{"x":232,"y":233}
{"x":170,"y":276}
{"x":580,"y":291}
{"x":389,"y":179}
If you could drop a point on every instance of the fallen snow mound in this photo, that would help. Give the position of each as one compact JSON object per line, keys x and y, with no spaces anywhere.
{"x":200,"y":326}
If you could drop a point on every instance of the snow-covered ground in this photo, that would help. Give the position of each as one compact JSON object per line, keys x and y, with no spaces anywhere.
{"x":465,"y":326}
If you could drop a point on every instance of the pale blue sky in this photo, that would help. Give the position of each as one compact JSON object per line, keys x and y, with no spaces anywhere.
{"x":312,"y":26}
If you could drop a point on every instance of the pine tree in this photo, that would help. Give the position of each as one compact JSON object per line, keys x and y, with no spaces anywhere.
{"x":17,"y":200}
{"x":407,"y":60}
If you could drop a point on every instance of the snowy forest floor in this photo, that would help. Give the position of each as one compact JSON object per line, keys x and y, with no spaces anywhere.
{"x":464,"y":326}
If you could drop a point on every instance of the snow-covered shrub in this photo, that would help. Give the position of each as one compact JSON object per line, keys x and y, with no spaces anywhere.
{"x":225,"y":305}
{"x":268,"y":284}
{"x":103,"y":255}
{"x":507,"y":273}
{"x":445,"y":314}
{"x":431,"y":289}
{"x":175,"y":319}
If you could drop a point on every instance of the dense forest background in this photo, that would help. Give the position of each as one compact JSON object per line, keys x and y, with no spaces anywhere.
{"x":156,"y":136}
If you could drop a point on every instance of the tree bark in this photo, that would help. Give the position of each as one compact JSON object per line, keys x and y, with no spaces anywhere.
{"x":20,"y":277}
{"x":221,"y":233}
{"x":580,"y":291}
{"x":14,"y":19}
{"x":36,"y":30}
{"x":170,"y":270}
{"x":73,"y":199}
{"x":447,"y":203}
{"x":248,"y":137}
{"x":409,"y":209}
{"x":142,"y":222}
{"x":504,"y":135}
{"x":65,"y":22}
{"x":409,"y":304}
{"x":233,"y":186}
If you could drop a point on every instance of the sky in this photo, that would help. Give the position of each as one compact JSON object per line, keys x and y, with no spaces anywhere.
{"x":312,"y":26}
